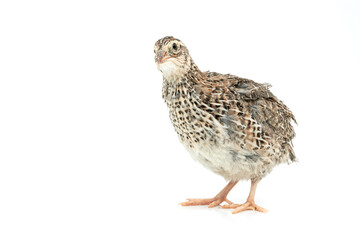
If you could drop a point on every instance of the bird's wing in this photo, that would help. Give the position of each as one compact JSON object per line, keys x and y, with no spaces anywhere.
{"x":246,"y":103}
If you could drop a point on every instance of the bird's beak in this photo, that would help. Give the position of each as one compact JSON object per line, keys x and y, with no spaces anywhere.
{"x":160,"y":56}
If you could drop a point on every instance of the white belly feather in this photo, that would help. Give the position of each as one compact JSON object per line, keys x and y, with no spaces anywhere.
{"x":229,"y":163}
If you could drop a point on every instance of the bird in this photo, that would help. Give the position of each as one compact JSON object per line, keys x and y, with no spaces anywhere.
{"x":233,"y":126}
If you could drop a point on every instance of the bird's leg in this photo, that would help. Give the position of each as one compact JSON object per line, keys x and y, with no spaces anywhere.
{"x":212,"y":202}
{"x":250,"y":203}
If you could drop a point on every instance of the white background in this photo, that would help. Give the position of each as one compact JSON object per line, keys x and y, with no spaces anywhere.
{"x":87,"y":150}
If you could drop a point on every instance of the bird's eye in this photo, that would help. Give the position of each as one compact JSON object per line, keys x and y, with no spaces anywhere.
{"x":174,"y":46}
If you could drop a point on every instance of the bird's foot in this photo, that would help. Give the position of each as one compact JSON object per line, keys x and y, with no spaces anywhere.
{"x":249,"y":205}
{"x":212,"y":202}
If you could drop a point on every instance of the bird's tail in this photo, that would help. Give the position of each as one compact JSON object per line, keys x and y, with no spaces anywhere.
{"x":291,"y":153}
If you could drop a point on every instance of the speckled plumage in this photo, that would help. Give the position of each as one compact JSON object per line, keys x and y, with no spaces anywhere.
{"x":233,"y":126}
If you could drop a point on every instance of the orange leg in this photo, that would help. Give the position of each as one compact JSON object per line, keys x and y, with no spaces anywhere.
{"x":212,"y":202}
{"x":249,"y":204}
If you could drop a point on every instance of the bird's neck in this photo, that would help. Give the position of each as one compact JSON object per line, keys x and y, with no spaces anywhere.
{"x":184,"y":85}
{"x":191,"y":74}
{"x":194,"y":75}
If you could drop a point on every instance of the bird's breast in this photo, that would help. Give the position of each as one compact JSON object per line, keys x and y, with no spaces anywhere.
{"x":193,"y":125}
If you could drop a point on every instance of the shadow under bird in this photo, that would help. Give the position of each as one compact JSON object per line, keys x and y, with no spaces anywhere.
{"x":233,"y":126}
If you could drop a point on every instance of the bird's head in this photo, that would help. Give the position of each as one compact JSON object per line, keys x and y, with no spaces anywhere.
{"x":172,"y":58}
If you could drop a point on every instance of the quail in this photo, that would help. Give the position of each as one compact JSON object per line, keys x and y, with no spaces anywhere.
{"x":233,"y":126}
